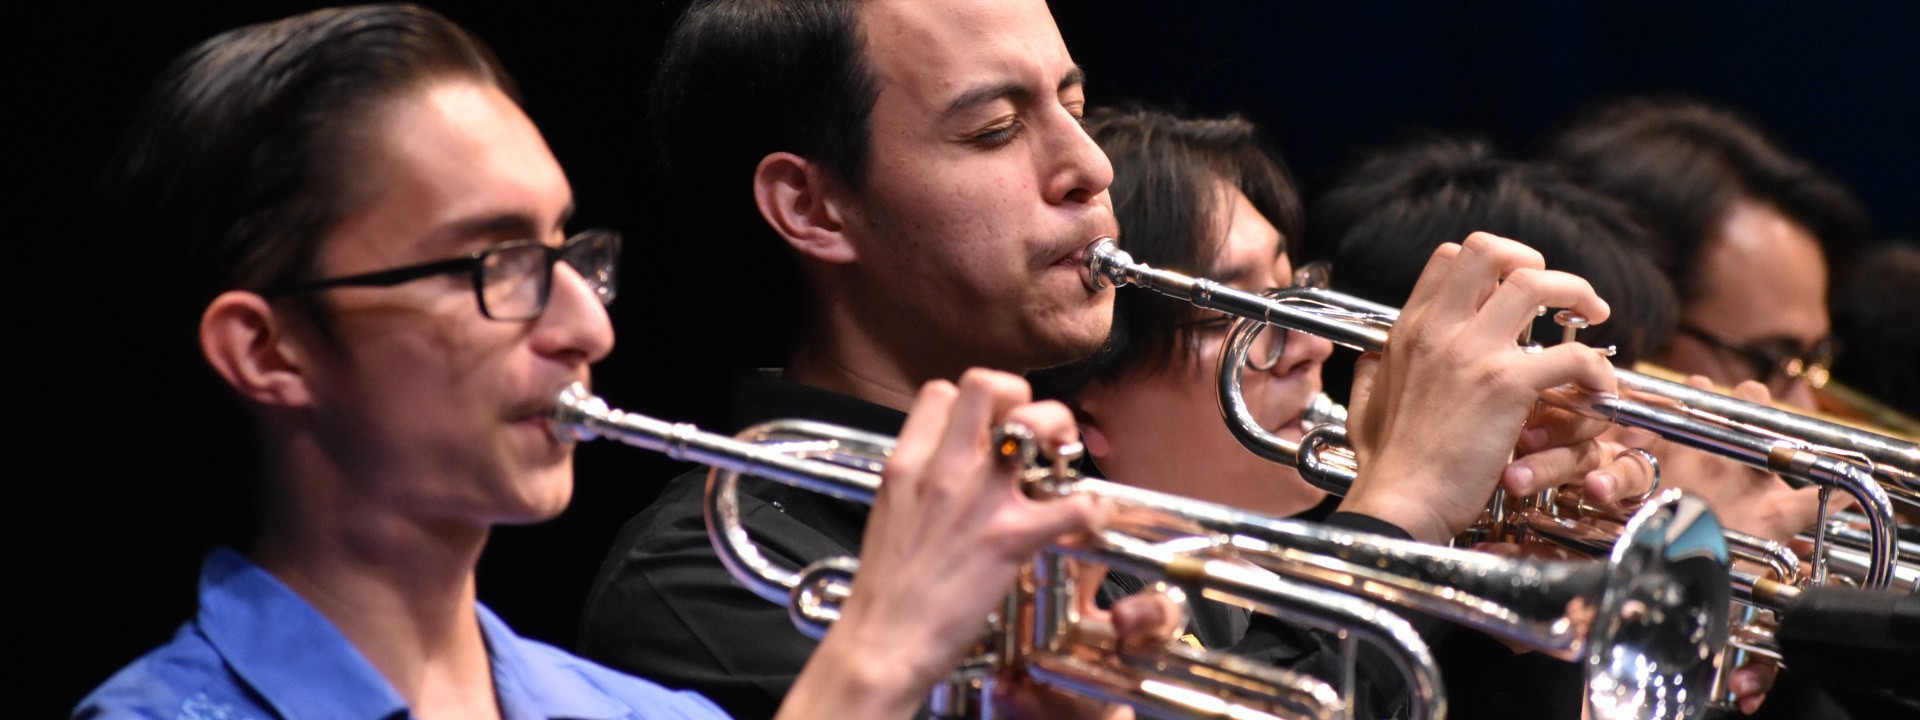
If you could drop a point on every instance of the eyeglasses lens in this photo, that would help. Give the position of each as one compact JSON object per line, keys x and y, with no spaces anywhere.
{"x":513,"y":282}
{"x":594,"y":255}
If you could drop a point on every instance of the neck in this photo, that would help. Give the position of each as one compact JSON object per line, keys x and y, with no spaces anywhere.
{"x":843,"y":352}
{"x":400,"y":588}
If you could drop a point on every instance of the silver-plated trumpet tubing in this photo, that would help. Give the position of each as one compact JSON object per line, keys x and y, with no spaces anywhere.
{"x":1353,"y":325}
{"x":1333,"y":471}
{"x":1107,"y":264}
{"x":1439,"y":582}
{"x":1256,"y":586}
{"x":583,"y":416}
{"x":812,"y":592}
{"x":1849,"y":564}
{"x":1841,"y":529}
{"x":1762,"y":450}
{"x":1777,"y":557}
{"x":1665,"y":585}
{"x":1895,"y":462}
{"x":1060,"y":653}
{"x":844,"y":463}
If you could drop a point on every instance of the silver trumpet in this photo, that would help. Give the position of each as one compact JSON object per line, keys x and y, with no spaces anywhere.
{"x":1867,"y":466}
{"x":1647,"y":624}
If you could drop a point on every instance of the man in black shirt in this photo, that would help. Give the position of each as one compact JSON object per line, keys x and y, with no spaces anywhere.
{"x":924,"y":167}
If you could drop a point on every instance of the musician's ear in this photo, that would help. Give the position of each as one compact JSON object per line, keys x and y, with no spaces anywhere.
{"x":250,"y":348}
{"x":1089,"y":405}
{"x":806,"y":205}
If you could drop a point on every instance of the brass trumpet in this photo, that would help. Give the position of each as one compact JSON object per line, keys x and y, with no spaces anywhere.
{"x":1865,"y":465}
{"x":1647,"y":624}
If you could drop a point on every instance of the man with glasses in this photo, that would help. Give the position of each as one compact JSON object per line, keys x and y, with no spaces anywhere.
{"x":1783,"y":364}
{"x":387,"y":285}
{"x":511,"y":281}
{"x":1744,"y":232}
{"x":1743,"y":229}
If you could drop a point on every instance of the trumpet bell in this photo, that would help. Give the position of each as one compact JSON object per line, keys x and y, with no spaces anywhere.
{"x":1663,"y":617}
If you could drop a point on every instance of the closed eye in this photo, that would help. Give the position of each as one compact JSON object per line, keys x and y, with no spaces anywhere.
{"x":999,"y":135}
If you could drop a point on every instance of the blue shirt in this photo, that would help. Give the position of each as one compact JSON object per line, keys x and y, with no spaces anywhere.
{"x":257,"y":650}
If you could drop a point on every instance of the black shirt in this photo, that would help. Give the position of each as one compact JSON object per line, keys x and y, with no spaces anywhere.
{"x":664,"y":608}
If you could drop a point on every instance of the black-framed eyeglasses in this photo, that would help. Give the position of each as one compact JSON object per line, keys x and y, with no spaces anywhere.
{"x":1777,"y":361}
{"x":1271,"y":342}
{"x":511,"y":280}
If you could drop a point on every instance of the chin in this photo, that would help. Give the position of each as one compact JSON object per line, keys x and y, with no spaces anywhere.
{"x":540,"y":497}
{"x":1074,"y":337}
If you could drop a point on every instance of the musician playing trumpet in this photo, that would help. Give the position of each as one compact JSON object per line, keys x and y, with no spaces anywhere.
{"x":926,"y":174}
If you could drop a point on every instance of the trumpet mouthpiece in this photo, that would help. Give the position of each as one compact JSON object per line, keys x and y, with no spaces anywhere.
{"x":1103,"y":258}
{"x":572,"y":408}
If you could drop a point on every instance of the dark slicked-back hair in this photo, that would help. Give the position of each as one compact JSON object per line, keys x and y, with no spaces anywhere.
{"x":1384,"y":219}
{"x":1167,"y":178}
{"x":1681,"y":164}
{"x":244,"y":150}
{"x":241,"y":158}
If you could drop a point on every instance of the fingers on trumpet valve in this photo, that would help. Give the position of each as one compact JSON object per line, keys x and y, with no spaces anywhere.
{"x":1018,"y":446}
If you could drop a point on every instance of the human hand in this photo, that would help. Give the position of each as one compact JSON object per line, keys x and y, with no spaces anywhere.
{"x":1750,"y":683}
{"x":1436,"y":418}
{"x":1606,"y":462}
{"x":950,"y":528}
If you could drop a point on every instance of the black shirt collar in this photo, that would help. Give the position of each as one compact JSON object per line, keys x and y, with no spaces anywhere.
{"x":767,"y":394}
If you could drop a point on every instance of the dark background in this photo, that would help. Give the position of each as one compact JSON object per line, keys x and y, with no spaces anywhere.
{"x":121,"y":460}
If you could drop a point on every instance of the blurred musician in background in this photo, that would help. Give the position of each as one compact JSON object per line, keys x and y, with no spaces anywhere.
{"x":924,"y":169}
{"x":1744,"y":231}
{"x":389,"y":284}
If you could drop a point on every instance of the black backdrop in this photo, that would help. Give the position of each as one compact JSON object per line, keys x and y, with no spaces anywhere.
{"x":119,"y":449}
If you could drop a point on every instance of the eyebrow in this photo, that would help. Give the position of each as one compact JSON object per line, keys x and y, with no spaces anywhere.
{"x":504,"y":227}
{"x":1229,"y":275}
{"x":502,"y":224}
{"x":1012,"y":91}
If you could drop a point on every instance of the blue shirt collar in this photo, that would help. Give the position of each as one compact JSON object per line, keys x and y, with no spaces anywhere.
{"x":531,"y":682}
{"x":286,"y":650}
{"x":303,"y":667}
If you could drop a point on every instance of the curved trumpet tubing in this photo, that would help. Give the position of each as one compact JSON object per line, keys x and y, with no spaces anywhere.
{"x":1038,"y":630}
{"x":1862,"y":464}
{"x":1646,"y":624}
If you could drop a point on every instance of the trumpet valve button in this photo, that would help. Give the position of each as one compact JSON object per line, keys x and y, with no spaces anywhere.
{"x":1571,"y":323}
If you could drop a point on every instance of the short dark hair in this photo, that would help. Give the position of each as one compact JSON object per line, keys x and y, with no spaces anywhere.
{"x":1167,"y":172}
{"x":1680,"y":164}
{"x":739,"y":80}
{"x":242,"y":152}
{"x":1384,"y":219}
{"x":1876,"y":318}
